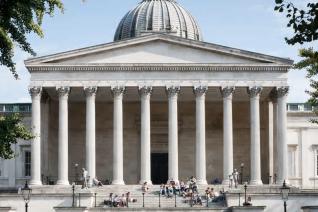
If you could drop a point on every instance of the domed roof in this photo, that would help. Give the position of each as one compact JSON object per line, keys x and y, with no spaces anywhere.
{"x":158,"y":16}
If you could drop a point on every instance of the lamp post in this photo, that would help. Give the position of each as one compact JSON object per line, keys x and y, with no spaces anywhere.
{"x":73,"y":195}
{"x":245,"y":191}
{"x":242,"y":168}
{"x":285,"y":192}
{"x":76,"y":173}
{"x":26,"y":192}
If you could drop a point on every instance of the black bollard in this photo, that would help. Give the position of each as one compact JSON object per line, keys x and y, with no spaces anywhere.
{"x":73,"y":195}
{"x":175,"y":199}
{"x":159,"y":200}
{"x":143,"y":200}
{"x":79,"y":199}
{"x":239,"y":199}
{"x":207,"y":200}
{"x":95,"y":199}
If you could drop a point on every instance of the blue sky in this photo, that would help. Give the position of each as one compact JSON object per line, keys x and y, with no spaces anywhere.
{"x":245,"y":24}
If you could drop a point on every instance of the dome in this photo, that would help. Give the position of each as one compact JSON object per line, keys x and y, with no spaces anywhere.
{"x":158,"y":16}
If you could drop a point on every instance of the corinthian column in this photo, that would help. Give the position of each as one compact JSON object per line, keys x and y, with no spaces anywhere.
{"x":172,"y":93}
{"x":145,"y":169}
{"x":282,"y":135}
{"x":90,"y":93}
{"x":200,"y":156}
{"x":227,"y":94}
{"x":118,"y":178}
{"x":254,"y":93}
{"x":35,"y":93}
{"x":63,"y":93}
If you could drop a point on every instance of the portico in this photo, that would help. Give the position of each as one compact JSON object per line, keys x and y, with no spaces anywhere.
{"x":128,"y":102}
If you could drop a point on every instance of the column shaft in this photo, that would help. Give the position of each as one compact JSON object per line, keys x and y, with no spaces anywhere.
{"x":63,"y":136}
{"x":200,"y":160}
{"x":145,"y":159}
{"x":227,"y":94}
{"x":282,"y":135}
{"x":35,"y":93}
{"x":90,"y":93}
{"x":255,"y":178}
{"x":118,"y":175}
{"x":173,"y":171}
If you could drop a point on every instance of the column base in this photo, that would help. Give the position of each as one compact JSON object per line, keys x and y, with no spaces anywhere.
{"x":149,"y":182}
{"x":256,"y":182}
{"x":35,"y":183}
{"x":226,"y":182}
{"x":280,"y":182}
{"x":202,"y":182}
{"x":118,"y":182}
{"x":62,"y":183}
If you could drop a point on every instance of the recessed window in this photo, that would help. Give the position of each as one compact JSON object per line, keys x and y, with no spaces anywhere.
{"x":292,"y":161}
{"x":27,"y":163}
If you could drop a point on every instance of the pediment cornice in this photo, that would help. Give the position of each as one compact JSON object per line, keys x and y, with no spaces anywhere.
{"x":160,"y":67}
{"x":55,"y":58}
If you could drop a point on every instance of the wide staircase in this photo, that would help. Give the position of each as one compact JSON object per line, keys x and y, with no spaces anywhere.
{"x":151,"y":199}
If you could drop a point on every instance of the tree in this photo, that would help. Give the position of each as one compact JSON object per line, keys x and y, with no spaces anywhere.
{"x":11,"y":129}
{"x":304,"y":22}
{"x":17,"y":19}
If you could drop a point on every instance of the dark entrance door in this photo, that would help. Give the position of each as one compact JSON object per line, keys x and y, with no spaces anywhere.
{"x":159,"y":168}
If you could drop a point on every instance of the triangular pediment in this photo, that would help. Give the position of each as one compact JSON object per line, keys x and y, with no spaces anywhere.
{"x":157,"y":48}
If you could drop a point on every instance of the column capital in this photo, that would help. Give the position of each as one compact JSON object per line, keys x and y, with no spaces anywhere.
{"x":145,"y":90}
{"x":118,"y":90}
{"x":172,"y":91}
{"x":90,"y":91}
{"x":63,"y":91}
{"x":227,"y":91}
{"x":35,"y":91}
{"x":200,"y":90}
{"x":282,"y":91}
{"x":254,"y":91}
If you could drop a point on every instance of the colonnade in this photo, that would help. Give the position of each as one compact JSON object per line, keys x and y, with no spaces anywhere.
{"x":145,"y":96}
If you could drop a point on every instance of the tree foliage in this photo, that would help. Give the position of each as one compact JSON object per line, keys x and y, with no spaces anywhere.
{"x":304,"y":23}
{"x":18,"y":18}
{"x":11,"y":129}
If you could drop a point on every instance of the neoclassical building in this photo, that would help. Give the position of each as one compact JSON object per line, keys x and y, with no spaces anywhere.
{"x":158,"y":103}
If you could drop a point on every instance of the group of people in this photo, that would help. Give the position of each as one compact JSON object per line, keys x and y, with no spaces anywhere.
{"x":86,"y":178}
{"x":214,"y":196}
{"x":119,"y":201}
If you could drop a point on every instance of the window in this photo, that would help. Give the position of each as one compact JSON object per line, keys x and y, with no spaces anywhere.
{"x":27,"y":163}
{"x":292,"y":160}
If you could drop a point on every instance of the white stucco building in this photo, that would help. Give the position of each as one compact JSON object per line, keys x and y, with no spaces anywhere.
{"x":159,"y":103}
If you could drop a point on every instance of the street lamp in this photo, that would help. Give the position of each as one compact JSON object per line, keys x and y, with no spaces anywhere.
{"x":285,"y":191}
{"x":26,"y":192}
{"x":76,"y":173}
{"x":242,"y":168}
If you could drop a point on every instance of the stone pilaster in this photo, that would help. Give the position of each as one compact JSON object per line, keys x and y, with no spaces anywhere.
{"x":90,"y":93}
{"x":200,"y":156}
{"x":254,"y":93}
{"x":173,"y":171}
{"x":145,"y":168}
{"x":118,"y":93}
{"x":63,"y":93}
{"x":35,"y":93}
{"x":227,"y":94}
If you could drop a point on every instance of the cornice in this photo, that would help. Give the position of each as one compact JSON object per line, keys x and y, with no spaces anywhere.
{"x":160,"y":67}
